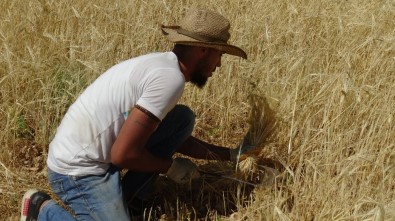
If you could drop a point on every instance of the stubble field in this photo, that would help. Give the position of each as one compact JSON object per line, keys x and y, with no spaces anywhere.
{"x":321,"y":73}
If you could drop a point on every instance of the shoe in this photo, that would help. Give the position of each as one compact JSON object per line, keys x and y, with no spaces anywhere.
{"x":31,"y":203}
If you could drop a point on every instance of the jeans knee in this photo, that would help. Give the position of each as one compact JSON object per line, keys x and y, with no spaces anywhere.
{"x":174,"y":129}
{"x":188,"y":116}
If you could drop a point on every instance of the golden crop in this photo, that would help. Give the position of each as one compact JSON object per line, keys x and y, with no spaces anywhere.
{"x":317,"y":94}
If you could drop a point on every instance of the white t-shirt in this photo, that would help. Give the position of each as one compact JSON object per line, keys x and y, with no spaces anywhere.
{"x":83,"y":141}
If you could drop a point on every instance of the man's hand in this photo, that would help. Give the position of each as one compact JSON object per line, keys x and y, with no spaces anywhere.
{"x":237,"y":152}
{"x":182,"y":170}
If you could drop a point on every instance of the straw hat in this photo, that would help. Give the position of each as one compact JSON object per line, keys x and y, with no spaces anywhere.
{"x":203,"y":28}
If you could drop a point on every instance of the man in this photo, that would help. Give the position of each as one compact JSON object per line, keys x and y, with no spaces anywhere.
{"x":129,"y":119}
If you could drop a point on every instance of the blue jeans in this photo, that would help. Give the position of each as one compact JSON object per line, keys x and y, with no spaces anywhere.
{"x":103,"y":197}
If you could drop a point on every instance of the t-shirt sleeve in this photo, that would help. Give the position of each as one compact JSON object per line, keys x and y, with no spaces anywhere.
{"x":161,"y":91}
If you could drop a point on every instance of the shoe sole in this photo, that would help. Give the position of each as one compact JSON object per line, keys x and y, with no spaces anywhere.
{"x":26,"y":203}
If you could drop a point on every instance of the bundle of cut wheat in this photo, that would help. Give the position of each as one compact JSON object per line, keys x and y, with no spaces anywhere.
{"x":262,"y":127}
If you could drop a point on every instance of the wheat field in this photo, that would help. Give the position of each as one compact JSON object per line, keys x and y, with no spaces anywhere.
{"x":323,"y":70}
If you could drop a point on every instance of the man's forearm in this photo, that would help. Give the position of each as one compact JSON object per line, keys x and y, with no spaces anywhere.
{"x":146,"y":162}
{"x":199,"y":149}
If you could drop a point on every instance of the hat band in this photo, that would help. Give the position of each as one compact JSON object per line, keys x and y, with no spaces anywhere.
{"x":198,"y":36}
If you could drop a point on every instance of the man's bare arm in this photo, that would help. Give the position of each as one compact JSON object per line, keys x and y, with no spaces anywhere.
{"x":199,"y":149}
{"x":128,"y":150}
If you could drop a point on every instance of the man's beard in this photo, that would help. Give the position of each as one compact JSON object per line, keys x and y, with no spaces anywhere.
{"x":198,"y":78}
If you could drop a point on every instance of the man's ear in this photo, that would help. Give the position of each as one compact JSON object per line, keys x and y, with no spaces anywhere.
{"x":199,"y":52}
{"x":204,"y":50}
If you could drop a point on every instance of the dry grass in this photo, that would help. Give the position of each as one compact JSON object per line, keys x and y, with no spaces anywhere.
{"x":325,"y":67}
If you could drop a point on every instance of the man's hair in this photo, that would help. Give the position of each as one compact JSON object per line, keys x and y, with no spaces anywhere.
{"x":183,"y":50}
{"x":182,"y":47}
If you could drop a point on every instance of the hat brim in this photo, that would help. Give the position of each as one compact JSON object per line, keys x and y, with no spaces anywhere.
{"x":172,"y":35}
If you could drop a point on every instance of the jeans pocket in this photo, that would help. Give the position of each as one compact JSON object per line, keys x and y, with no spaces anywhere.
{"x":58,"y":188}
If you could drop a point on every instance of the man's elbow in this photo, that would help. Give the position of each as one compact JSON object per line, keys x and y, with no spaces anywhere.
{"x":123,"y":160}
{"x":119,"y":158}
{"x":118,"y":161}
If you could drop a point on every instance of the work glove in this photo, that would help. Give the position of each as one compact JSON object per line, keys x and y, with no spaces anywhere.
{"x":243,"y":148}
{"x":182,"y":170}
